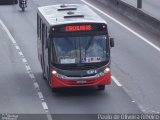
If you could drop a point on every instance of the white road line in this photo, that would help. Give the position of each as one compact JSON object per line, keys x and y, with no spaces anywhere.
{"x":44,"y":104}
{"x":36,"y":85}
{"x":116,"y":81}
{"x":17,"y":47}
{"x":40,"y":95}
{"x":28,"y":68}
{"x":49,"y":117}
{"x":20,"y":53}
{"x":32,"y":76}
{"x":8,"y":33}
{"x":24,"y":60}
{"x":129,"y":29}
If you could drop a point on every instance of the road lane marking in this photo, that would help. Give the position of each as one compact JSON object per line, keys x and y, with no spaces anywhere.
{"x":124,"y":26}
{"x":24,"y":60}
{"x":49,"y":117}
{"x":44,"y":104}
{"x":17,"y":47}
{"x":40,"y":95}
{"x":36,"y":85}
{"x":20,"y":53}
{"x":29,"y":71}
{"x":28,"y":68}
{"x":32,"y":76}
{"x":116,"y":81}
{"x":8,"y":33}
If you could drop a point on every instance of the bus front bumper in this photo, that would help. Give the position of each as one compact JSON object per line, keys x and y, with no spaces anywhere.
{"x":62,"y":83}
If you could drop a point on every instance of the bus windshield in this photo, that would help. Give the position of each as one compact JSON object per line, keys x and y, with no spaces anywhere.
{"x":76,"y":50}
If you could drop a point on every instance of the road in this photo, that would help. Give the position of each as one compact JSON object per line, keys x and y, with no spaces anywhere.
{"x":148,"y":6}
{"x":134,"y":63}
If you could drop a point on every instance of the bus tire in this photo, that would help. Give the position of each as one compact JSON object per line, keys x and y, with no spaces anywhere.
{"x":49,"y":82}
{"x":44,"y":75}
{"x":101,"y":87}
{"x":43,"y":71}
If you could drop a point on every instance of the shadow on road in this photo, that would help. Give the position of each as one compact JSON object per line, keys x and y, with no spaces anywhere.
{"x":78,"y":91}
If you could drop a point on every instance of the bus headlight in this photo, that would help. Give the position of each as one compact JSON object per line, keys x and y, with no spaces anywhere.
{"x":57,"y":74}
{"x":104,"y":72}
{"x":54,"y":72}
{"x":107,"y":70}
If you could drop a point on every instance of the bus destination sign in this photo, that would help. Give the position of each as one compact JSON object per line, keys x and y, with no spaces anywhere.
{"x":80,"y":28}
{"x":74,"y":28}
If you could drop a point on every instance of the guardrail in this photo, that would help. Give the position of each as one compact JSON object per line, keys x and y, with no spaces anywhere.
{"x":134,"y":14}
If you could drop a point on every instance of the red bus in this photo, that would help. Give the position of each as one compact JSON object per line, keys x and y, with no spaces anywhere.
{"x":73,"y":46}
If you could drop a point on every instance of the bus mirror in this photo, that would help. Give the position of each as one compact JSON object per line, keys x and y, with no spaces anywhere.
{"x":112,"y":42}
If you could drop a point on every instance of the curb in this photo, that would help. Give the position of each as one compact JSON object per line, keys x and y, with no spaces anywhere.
{"x":136,"y":15}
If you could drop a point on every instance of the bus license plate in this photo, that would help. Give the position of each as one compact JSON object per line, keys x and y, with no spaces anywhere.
{"x":81,"y":81}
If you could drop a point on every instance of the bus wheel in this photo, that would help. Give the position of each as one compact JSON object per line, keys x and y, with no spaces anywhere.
{"x":101,"y":87}
{"x":49,"y":82}
{"x":43,"y":71}
{"x":44,"y":75}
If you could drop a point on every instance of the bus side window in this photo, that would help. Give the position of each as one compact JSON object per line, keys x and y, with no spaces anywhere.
{"x":43,"y":32}
{"x":44,"y":35}
{"x":46,"y":38}
{"x":40,"y":24}
{"x":37,"y":25}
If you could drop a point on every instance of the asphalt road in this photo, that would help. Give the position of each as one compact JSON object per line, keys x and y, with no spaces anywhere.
{"x":134,"y":63}
{"x":150,"y":7}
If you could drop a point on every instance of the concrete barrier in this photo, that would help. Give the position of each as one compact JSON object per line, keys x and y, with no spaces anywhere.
{"x":136,"y":15}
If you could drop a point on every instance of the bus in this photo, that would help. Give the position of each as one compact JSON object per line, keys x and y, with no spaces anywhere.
{"x":73,"y":46}
{"x":8,"y":1}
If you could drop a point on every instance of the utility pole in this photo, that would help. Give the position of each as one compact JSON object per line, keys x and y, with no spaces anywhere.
{"x":139,"y":3}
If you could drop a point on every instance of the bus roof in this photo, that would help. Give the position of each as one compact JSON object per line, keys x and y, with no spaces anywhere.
{"x":69,"y":13}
